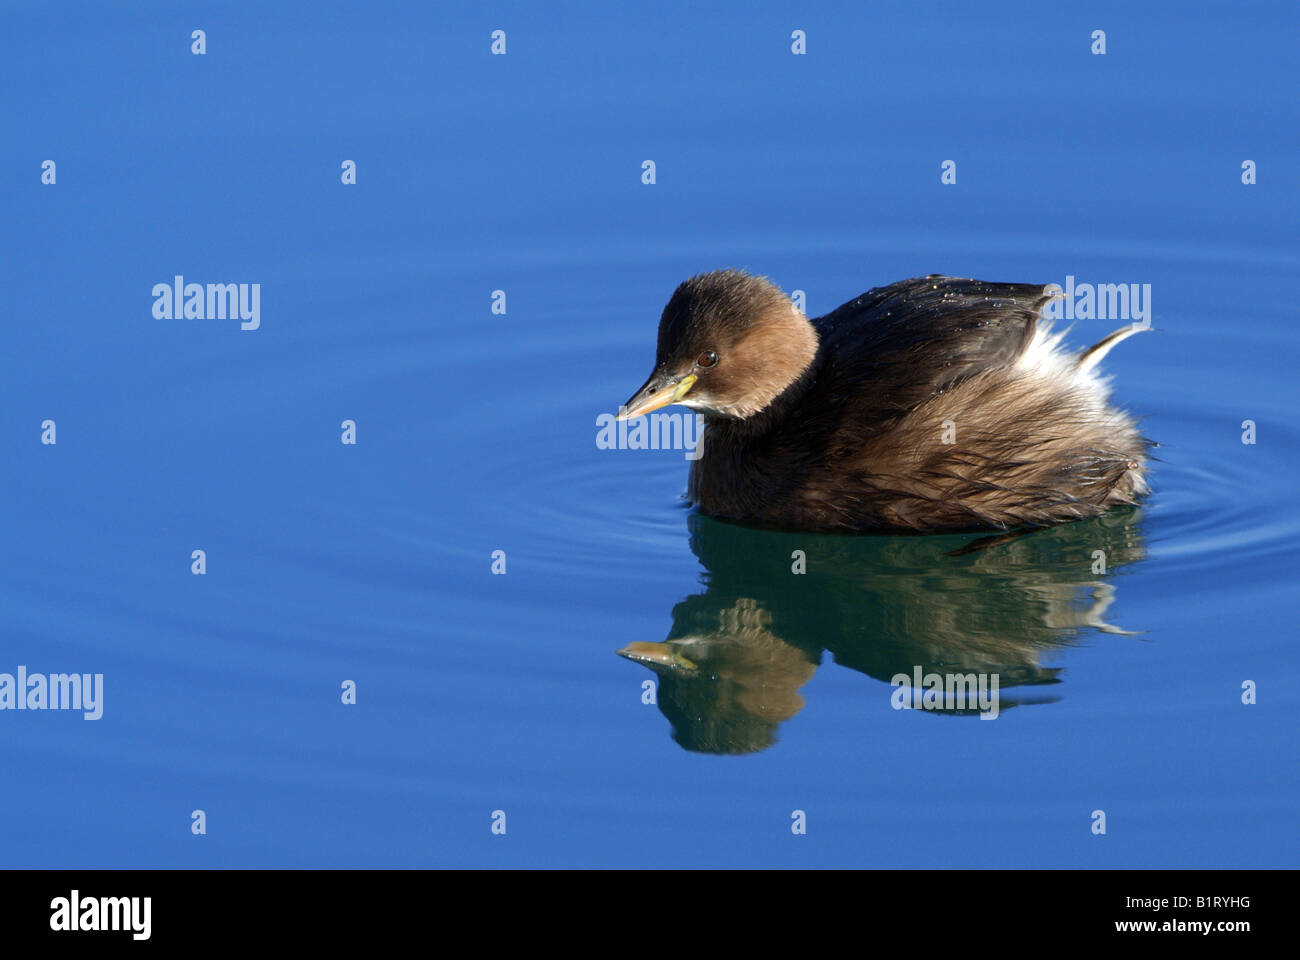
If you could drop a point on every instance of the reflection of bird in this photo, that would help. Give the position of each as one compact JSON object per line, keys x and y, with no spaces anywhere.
{"x":732,"y":681}
{"x":930,"y":404}
{"x":737,"y":655}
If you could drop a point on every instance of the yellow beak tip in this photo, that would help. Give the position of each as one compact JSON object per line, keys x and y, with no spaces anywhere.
{"x":684,"y":387}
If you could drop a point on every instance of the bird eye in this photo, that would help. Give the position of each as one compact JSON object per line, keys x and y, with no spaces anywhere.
{"x":707,"y":359}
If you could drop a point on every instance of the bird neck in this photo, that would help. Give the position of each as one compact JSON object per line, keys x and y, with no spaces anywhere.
{"x":773,"y":414}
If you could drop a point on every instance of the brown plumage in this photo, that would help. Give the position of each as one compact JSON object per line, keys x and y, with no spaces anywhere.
{"x":934,"y":403}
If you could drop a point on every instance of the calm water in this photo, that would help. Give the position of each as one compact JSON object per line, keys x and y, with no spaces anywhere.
{"x":476,"y":432}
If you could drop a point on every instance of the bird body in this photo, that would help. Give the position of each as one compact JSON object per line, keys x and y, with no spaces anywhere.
{"x":935,"y":403}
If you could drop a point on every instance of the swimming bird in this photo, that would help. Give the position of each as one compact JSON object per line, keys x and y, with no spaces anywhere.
{"x":931,"y":404}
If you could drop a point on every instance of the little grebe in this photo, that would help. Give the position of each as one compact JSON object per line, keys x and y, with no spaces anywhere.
{"x":935,"y":403}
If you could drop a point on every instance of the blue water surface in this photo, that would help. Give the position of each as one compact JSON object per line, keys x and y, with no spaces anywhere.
{"x":476,"y":432}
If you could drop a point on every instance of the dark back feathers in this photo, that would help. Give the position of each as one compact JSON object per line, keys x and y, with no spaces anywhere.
{"x":926,"y":334}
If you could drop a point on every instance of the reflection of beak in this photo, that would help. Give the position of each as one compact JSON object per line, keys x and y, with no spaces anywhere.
{"x":656,"y":655}
{"x":655,"y":393}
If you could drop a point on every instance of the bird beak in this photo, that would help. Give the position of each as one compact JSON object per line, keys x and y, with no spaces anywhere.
{"x":655,"y":393}
{"x":656,"y":655}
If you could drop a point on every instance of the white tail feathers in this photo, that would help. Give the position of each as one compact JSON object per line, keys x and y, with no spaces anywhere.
{"x":1097,"y":352}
